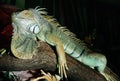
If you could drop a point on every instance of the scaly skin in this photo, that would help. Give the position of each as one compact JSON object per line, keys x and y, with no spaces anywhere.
{"x":25,"y":37}
{"x":34,"y":25}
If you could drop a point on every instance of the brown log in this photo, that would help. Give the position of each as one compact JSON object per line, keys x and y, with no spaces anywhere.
{"x":46,"y":59}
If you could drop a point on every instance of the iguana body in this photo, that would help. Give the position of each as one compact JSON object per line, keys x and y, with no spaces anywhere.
{"x":31,"y":26}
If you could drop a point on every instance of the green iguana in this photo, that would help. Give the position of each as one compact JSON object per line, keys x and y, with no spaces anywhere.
{"x":34,"y":25}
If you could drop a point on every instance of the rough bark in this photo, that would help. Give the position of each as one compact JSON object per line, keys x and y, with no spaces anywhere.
{"x":46,"y":59}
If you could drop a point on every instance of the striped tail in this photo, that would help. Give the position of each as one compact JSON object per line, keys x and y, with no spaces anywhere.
{"x":111,"y":76}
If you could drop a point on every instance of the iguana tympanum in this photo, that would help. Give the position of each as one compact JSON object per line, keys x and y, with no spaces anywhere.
{"x":34,"y":25}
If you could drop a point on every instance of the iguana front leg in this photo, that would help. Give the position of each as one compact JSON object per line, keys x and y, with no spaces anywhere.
{"x":62,"y":65}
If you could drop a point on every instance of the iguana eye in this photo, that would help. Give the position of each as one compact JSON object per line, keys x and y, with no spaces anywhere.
{"x":34,"y":29}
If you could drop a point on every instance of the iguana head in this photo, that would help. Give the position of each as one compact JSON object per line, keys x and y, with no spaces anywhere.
{"x":29,"y":27}
{"x":26,"y":22}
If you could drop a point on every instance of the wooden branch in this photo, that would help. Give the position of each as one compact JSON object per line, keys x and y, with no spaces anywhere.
{"x":46,"y":59}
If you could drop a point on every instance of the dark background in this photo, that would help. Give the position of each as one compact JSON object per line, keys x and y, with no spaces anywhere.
{"x":84,"y":18}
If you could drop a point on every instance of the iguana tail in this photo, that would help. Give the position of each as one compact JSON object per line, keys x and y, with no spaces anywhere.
{"x":110,"y":75}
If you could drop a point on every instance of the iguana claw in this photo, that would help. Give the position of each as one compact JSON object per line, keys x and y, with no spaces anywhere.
{"x":62,"y":67}
{"x":47,"y":77}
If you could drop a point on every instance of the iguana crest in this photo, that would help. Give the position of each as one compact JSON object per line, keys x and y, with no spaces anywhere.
{"x":55,"y":23}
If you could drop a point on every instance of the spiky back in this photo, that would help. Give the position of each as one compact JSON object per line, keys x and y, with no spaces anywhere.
{"x":54,"y":22}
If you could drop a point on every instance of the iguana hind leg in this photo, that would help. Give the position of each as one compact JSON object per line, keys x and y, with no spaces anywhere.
{"x":95,"y":60}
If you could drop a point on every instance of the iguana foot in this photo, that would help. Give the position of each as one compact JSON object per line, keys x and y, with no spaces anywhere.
{"x":62,"y":67}
{"x":47,"y":77}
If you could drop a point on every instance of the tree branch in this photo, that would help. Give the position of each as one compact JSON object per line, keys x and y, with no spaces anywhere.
{"x":46,"y":59}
